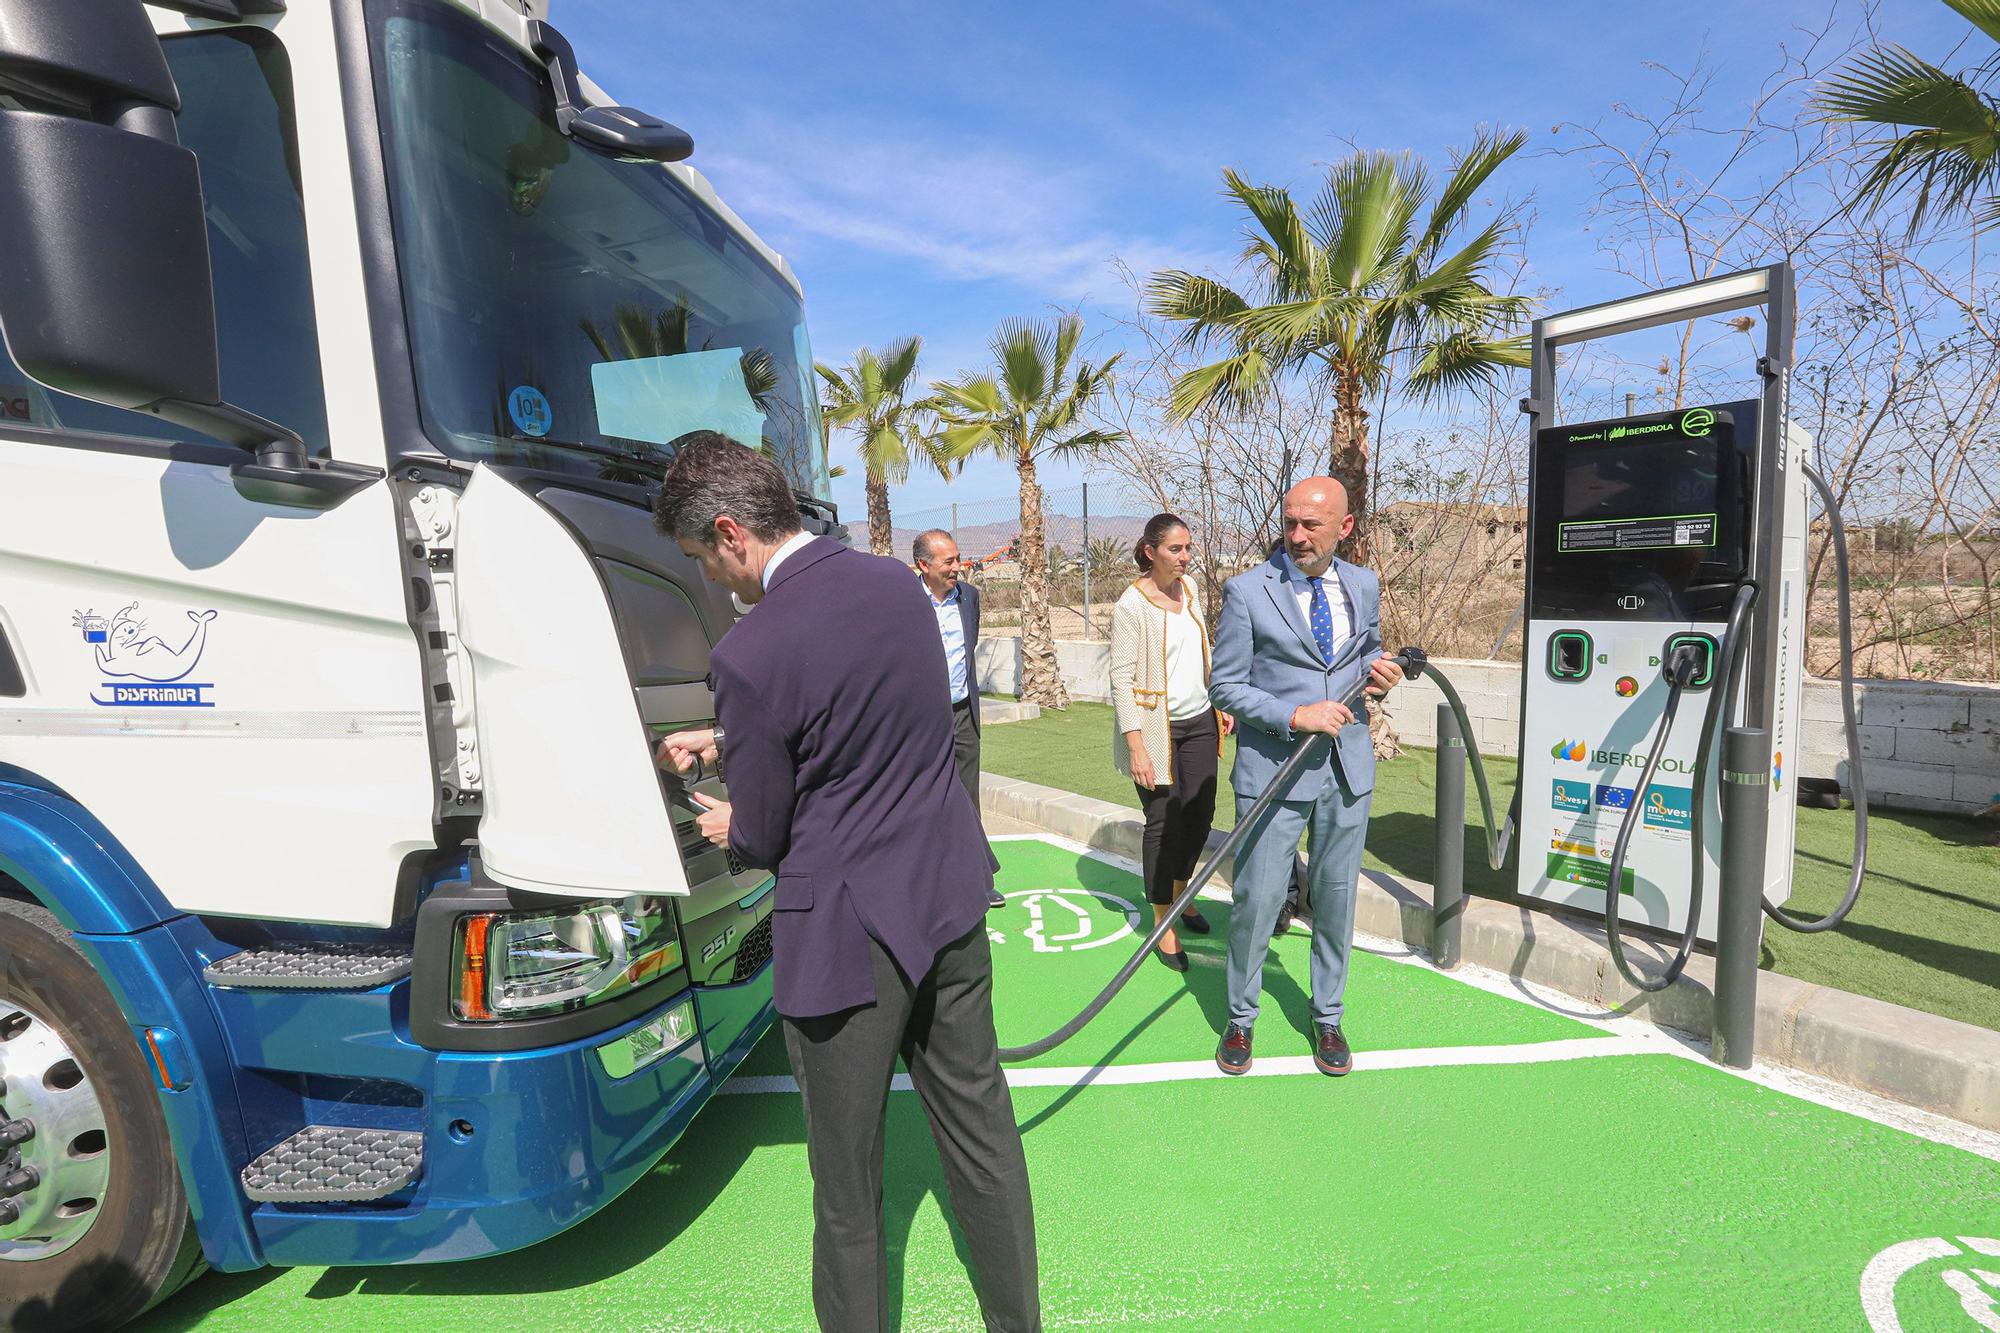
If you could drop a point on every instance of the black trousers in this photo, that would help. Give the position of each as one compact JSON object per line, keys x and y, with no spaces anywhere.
{"x":1179,"y":816}
{"x":942,"y":1026}
{"x":965,"y":746}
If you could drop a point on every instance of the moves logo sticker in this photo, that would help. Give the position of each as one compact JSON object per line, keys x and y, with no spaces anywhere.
{"x":1669,"y":807}
{"x":1571,"y":796}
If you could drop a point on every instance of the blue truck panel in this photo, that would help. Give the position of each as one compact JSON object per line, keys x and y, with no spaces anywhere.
{"x":518,"y":1145}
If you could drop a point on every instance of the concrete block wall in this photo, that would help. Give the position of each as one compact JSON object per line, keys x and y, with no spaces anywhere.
{"x":1926,"y":746}
{"x":1085,"y":667}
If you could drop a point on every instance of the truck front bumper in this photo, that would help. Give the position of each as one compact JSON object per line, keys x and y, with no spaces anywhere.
{"x":519,"y":1146}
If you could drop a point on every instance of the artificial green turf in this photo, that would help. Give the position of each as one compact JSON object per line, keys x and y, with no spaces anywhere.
{"x":1624,"y":1192}
{"x":1926,"y":935}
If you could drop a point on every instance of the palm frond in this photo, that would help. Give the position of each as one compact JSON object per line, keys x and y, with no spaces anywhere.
{"x":1022,"y":352}
{"x":1286,"y":247}
{"x":1981,"y":14}
{"x":1460,"y":361}
{"x":899,"y":361}
{"x":887,"y":457}
{"x":1235,"y":382}
{"x":1200,"y":305}
{"x":1370,"y":206}
{"x":1951,"y":156}
{"x":1471,"y":170}
{"x":972,"y":395}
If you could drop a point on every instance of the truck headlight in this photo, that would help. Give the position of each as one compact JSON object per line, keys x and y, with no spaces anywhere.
{"x":530,"y":964}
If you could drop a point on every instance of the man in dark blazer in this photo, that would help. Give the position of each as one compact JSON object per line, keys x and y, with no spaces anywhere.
{"x":841,"y":779}
{"x":955,"y":603}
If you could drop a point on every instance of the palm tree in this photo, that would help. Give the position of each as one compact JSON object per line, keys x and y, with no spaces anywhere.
{"x":1034,"y":405}
{"x":1951,"y":152}
{"x":1349,"y":288}
{"x":870,"y":397}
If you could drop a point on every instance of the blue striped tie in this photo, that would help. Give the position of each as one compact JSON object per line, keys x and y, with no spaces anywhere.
{"x":1322,"y":619}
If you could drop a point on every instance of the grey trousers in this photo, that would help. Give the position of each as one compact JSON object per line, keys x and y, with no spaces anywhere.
{"x":965,"y":746}
{"x":1336,"y":826}
{"x":943,"y":1028}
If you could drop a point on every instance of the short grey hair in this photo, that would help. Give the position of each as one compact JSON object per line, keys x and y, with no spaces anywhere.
{"x":713,"y":475}
{"x":920,"y":549}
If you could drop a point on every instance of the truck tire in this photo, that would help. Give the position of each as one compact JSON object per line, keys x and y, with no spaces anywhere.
{"x":106,"y":1232}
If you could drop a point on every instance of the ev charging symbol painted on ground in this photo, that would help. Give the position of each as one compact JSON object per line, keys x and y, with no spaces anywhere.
{"x":1975,"y":1284}
{"x":1061,"y":920}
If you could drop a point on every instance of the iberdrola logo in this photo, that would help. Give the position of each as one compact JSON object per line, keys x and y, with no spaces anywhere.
{"x":1778,"y":771}
{"x":1575,"y":751}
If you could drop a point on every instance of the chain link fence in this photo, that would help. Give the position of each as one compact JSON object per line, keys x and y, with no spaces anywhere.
{"x":1088,"y":531}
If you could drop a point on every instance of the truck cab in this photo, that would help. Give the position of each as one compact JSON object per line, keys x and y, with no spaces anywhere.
{"x":345,"y":917}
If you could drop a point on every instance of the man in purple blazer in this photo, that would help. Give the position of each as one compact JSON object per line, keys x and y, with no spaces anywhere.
{"x":841,"y":779}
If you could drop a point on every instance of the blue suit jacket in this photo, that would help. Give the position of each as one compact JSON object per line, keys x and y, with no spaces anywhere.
{"x":1266,"y":664}
{"x":841,"y":777}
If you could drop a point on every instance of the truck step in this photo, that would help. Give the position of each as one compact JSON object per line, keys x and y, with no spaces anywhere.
{"x":310,"y":966}
{"x":327,"y":1164}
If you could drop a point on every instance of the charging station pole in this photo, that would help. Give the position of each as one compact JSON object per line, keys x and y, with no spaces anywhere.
{"x":1746,"y":810}
{"x":1448,"y":863}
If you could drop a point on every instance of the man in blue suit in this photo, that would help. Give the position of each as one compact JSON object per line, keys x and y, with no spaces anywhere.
{"x":1298,"y":634}
{"x":839,"y":751}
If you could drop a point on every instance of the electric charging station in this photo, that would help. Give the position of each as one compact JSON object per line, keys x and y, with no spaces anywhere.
{"x":1644,"y":534}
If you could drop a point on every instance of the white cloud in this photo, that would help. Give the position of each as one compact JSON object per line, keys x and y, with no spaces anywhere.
{"x":962,"y":209}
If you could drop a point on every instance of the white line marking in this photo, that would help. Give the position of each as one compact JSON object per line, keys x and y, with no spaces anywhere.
{"x":1641,"y":1037}
{"x":1791,"y":1082}
{"x":1183,"y":1071}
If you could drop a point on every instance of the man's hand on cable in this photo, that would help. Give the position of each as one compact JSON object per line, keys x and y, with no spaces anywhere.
{"x":713,"y":821}
{"x":1385,"y":673}
{"x":680,"y":750}
{"x":1327,"y":716}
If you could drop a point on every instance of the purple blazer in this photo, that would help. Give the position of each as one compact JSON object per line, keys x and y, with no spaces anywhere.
{"x":837,"y":746}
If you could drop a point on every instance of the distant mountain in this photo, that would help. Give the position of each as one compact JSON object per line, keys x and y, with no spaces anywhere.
{"x":978,"y":540}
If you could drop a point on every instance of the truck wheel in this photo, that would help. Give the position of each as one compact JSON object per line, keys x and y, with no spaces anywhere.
{"x":103,"y":1231}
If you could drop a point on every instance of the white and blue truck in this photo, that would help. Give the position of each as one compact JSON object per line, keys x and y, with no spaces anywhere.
{"x":345,"y":917}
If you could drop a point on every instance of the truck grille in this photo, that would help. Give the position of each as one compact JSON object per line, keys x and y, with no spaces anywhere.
{"x":754,"y":952}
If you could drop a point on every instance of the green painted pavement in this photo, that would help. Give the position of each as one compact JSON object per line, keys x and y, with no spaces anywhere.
{"x":1618,"y":1192}
{"x":1053,"y":951}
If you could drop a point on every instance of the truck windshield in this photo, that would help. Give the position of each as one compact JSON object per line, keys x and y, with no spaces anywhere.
{"x":559,"y":298}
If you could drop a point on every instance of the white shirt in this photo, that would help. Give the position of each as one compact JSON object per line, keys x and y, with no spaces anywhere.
{"x":1336,"y":600}
{"x":792,"y":543}
{"x":1187,"y":691}
{"x":951,"y":628}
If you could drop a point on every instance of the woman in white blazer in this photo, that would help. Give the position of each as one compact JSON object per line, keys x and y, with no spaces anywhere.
{"x":1167,"y":736}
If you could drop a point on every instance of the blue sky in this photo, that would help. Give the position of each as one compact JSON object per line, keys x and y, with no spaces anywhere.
{"x":936,"y":168}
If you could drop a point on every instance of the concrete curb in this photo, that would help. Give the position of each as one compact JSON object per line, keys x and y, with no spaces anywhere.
{"x":1934,"y":1064}
{"x":995,"y":712}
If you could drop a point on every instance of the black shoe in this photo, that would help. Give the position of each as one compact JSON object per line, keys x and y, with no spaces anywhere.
{"x":994,"y":898}
{"x":1177,"y":960}
{"x":1285,"y":915}
{"x":1233,"y":1055}
{"x":1195,"y":921}
{"x":1331,"y":1055}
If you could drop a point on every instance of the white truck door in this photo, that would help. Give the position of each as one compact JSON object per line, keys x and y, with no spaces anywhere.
{"x":232,"y":688}
{"x":572,"y":800}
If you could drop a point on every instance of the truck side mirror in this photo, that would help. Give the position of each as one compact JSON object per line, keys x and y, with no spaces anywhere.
{"x":107,"y":292}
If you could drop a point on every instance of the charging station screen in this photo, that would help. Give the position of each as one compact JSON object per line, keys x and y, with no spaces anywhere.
{"x":1644,"y":517}
{"x":1624,"y":495}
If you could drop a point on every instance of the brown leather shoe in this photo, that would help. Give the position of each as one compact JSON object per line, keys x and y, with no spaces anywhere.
{"x":1233,"y":1056}
{"x":1331,"y":1055}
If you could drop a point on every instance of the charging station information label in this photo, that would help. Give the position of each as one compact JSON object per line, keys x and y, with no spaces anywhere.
{"x":1637,"y":534}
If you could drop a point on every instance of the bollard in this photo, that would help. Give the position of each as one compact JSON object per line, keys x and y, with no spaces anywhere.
{"x":1448,"y":845}
{"x":1746,"y":813}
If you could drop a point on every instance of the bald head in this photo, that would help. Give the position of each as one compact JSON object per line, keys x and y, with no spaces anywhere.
{"x":1316,"y":520}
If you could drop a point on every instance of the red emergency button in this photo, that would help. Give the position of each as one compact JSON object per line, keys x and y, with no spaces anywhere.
{"x":1627,"y":687}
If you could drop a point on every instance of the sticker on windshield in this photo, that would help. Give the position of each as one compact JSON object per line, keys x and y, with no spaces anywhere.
{"x":530,"y":409}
